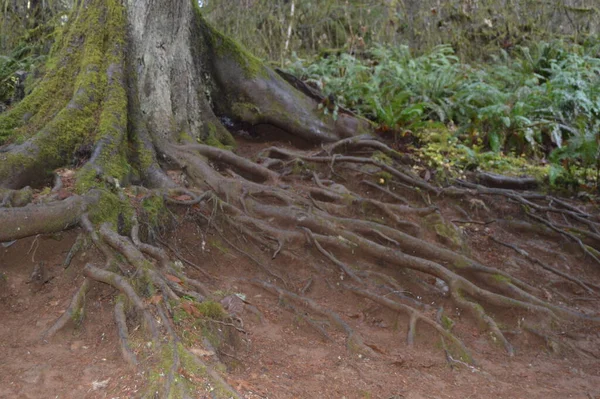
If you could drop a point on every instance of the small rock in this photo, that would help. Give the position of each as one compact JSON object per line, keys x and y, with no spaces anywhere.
{"x":96,"y":385}
{"x":76,"y":345}
{"x":35,"y":374}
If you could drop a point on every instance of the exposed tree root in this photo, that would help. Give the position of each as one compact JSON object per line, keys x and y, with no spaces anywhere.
{"x":499,"y":181}
{"x":126,"y":289}
{"x":353,"y":341}
{"x":123,"y":332}
{"x":544,"y":266}
{"x":415,"y":316}
{"x":73,"y":313}
{"x":158,"y":142}
{"x":43,"y":219}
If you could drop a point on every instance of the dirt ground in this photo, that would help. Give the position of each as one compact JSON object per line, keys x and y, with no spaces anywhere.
{"x":284,"y":351}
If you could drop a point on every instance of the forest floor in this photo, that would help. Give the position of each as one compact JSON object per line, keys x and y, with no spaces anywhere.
{"x":280,"y":351}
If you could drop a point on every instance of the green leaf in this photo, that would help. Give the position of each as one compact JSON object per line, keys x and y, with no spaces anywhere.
{"x":555,"y":172}
{"x":494,"y":141}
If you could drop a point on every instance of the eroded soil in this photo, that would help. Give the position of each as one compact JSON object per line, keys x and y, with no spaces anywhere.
{"x":284,"y":351}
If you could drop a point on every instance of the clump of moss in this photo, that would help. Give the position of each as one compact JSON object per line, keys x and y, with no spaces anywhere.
{"x":500,"y":278}
{"x":381,"y":157}
{"x":219,"y":246}
{"x":447,"y":322}
{"x":153,"y":209}
{"x":211,"y":310}
{"x":445,"y":232}
{"x":384,"y":177}
{"x":226,"y":47}
{"x":442,"y":151}
{"x":218,"y":136}
{"x":113,"y":210}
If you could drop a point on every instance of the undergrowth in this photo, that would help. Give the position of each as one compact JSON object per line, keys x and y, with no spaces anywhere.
{"x":542,"y":102}
{"x":22,"y":58}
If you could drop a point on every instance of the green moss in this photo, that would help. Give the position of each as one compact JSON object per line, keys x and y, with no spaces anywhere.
{"x":212,"y":310}
{"x":50,"y":95}
{"x":381,"y":157}
{"x":218,"y":136}
{"x":300,"y":167}
{"x":157,"y":374}
{"x":461,"y":263}
{"x":12,"y":162}
{"x":226,"y":47}
{"x":185,"y":137}
{"x":229,"y":48}
{"x":447,"y":322}
{"x":110,"y":208}
{"x":217,"y":244}
{"x":194,"y":368}
{"x":500,"y":278}
{"x":144,"y":284}
{"x":348,"y":199}
{"x":78,"y":316}
{"x":384,"y":177}
{"x":246,"y":111}
{"x":446,"y":233}
{"x":478,"y":308}
{"x":180,"y":315}
{"x":441,"y":150}
{"x":594,"y":251}
{"x":86,"y":179}
{"x":74,"y":104}
{"x":154,"y":209}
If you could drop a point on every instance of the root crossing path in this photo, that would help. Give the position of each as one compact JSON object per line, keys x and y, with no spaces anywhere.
{"x":360,"y":280}
{"x":235,"y":242}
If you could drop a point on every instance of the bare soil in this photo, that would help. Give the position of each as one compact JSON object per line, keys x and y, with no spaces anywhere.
{"x":281,"y":353}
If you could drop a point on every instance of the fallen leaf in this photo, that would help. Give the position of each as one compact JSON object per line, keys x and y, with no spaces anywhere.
{"x":174,"y":279}
{"x":375,"y":348}
{"x":190,"y":309}
{"x":155,"y":299}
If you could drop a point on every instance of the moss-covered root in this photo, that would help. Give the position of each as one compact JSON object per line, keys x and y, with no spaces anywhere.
{"x":126,"y":289}
{"x":123,"y":333}
{"x":178,"y":367}
{"x":57,"y":140}
{"x":15,"y":198}
{"x":415,"y":316}
{"x":108,"y":157}
{"x":480,"y":314}
{"x":259,"y":95}
{"x":73,"y":313}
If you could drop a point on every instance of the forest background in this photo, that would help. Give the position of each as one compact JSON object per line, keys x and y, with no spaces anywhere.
{"x":511,"y":86}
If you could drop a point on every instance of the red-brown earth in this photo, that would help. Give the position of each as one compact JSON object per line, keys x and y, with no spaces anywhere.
{"x":282,"y":354}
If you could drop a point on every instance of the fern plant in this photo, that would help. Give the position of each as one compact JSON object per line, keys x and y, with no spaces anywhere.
{"x":543,"y":100}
